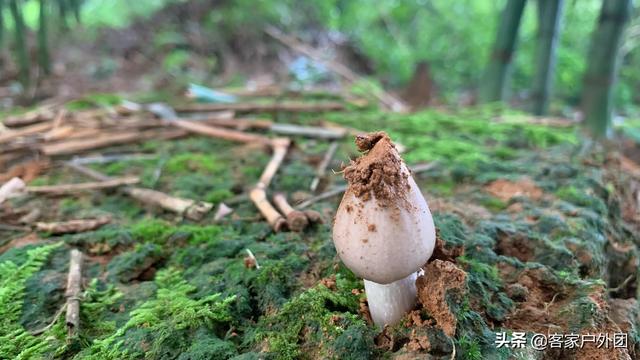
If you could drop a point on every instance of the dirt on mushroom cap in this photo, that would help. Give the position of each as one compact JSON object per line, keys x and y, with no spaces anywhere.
{"x":379,"y":171}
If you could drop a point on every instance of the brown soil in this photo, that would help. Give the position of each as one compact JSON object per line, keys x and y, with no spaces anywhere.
{"x":439,"y":279}
{"x":505,"y":189}
{"x":378,"y":172}
{"x":540,"y":305}
{"x":28,"y":239}
{"x":444,"y":253}
{"x":515,"y":245}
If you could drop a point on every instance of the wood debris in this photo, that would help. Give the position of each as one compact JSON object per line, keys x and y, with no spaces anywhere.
{"x":322,"y":167}
{"x":72,"y":226}
{"x":87,"y":186}
{"x":262,"y":108}
{"x":11,"y":188}
{"x":192,"y":209}
{"x":74,"y":288}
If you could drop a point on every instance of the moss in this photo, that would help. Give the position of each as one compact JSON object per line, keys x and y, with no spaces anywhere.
{"x":192,"y":162}
{"x":15,"y":341}
{"x":130,"y":265}
{"x":492,"y":203}
{"x":167,"y":322}
{"x":325,"y":318}
{"x":217,"y":195}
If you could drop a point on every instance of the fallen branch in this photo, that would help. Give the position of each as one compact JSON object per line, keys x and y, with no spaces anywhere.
{"x":258,"y":194}
{"x":388,"y":100}
{"x":192,"y":209}
{"x":280,"y":147}
{"x":258,"y":108}
{"x":296,"y":220}
{"x":280,"y":128}
{"x":74,"y":188}
{"x":74,"y":286}
{"x":259,"y":198}
{"x":41,"y":114}
{"x":11,"y":135}
{"x":102,"y":159}
{"x":322,"y":167}
{"x":73,"y":226}
{"x":221,"y":133}
{"x":108,"y":139}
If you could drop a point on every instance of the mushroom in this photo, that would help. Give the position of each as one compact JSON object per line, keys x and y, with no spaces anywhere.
{"x":383,"y":229}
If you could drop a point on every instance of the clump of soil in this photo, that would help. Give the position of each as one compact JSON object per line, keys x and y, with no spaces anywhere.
{"x":439,"y":279}
{"x":378,"y":172}
{"x":505,"y":189}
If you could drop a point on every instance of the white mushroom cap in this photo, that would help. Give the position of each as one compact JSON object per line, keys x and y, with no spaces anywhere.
{"x":384,"y":244}
{"x":384,"y":241}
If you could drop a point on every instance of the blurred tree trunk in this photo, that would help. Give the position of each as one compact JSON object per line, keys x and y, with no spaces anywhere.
{"x":20,"y":45}
{"x":43,"y":46}
{"x":1,"y":23}
{"x":602,"y":67}
{"x":493,"y":87}
{"x":549,"y":18}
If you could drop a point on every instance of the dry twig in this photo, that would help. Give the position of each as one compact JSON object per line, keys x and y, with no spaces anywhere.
{"x":192,"y":209}
{"x":74,"y":286}
{"x":258,"y":107}
{"x":296,"y":220}
{"x":322,"y":167}
{"x":75,"y":188}
{"x":73,"y":226}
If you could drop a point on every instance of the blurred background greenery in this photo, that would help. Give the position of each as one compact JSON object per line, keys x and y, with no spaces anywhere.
{"x":455,"y":38}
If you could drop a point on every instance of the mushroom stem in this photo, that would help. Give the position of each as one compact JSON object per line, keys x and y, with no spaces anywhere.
{"x":388,"y":303}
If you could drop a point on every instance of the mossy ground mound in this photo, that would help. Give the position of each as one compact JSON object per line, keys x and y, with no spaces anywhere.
{"x":162,"y":287}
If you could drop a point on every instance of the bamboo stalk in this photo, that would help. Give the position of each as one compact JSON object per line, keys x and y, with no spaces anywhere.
{"x":550,"y":15}
{"x":257,"y":107}
{"x":43,"y":46}
{"x":602,"y":67}
{"x":75,"y":188}
{"x":22,"y":57}
{"x":74,"y":287}
{"x":494,"y":84}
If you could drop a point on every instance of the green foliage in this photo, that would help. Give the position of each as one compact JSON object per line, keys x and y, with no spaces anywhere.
{"x":169,"y":320}
{"x":15,"y":341}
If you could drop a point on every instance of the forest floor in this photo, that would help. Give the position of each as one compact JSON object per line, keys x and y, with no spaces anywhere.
{"x":536,"y":233}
